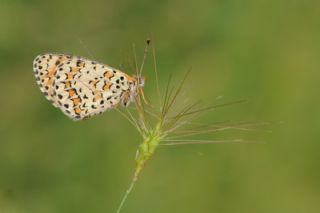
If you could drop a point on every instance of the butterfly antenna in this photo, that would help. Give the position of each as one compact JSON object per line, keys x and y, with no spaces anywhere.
{"x":139,"y":75}
{"x":144,"y":56}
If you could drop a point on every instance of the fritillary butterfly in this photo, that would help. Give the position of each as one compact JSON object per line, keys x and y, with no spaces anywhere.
{"x":82,"y":88}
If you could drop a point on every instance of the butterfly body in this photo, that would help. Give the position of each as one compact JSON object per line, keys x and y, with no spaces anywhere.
{"x":82,"y":88}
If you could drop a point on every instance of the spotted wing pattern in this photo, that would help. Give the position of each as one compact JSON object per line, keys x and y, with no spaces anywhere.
{"x":80,"y":87}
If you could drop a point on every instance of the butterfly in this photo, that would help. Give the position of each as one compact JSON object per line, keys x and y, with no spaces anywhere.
{"x":80,"y":87}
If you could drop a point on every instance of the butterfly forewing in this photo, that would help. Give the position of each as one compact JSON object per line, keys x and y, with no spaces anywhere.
{"x":80,"y":87}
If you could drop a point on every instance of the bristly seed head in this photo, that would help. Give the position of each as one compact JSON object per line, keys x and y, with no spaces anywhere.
{"x":167,"y":126}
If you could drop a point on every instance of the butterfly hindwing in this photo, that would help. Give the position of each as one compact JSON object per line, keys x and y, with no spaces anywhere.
{"x":79,"y":87}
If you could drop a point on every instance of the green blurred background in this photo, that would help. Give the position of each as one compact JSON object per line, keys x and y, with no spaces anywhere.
{"x":267,"y":52}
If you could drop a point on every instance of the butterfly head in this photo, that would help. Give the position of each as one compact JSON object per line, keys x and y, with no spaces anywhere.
{"x":140,"y":81}
{"x":140,"y":87}
{"x":136,"y":84}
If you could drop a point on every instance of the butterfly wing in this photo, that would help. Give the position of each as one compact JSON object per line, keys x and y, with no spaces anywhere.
{"x":79,"y":87}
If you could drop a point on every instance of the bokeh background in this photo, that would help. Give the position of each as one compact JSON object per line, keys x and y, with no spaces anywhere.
{"x":267,"y":52}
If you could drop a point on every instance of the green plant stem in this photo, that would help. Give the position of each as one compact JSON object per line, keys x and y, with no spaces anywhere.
{"x":126,"y":195}
{"x":144,"y":153}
